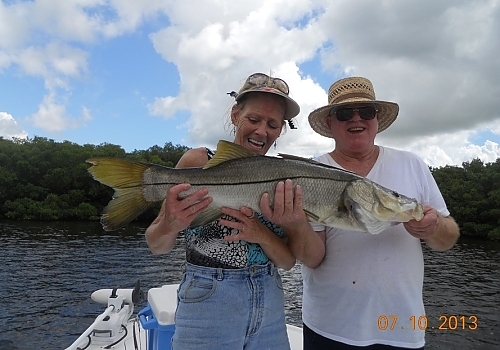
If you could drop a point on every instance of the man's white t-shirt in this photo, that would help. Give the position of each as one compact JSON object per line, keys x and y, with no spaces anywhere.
{"x":368,"y":289}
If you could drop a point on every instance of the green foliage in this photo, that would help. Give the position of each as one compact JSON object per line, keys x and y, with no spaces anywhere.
{"x":169,"y":155}
{"x":494,"y":235}
{"x":41,"y":179}
{"x":472,"y":193}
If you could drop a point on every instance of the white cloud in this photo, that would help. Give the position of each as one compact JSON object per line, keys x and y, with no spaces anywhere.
{"x":215,"y":54}
{"x":52,"y":116}
{"x":45,"y":39}
{"x":443,"y":75}
{"x":494,"y":127}
{"x":77,"y":21}
{"x":9,"y":127}
{"x":437,"y":60}
{"x":450,"y":148}
{"x":55,"y":63}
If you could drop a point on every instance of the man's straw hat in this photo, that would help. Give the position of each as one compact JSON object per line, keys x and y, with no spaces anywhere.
{"x":349,"y":91}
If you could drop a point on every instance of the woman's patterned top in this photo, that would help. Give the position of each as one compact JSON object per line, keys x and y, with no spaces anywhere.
{"x":205,"y":245}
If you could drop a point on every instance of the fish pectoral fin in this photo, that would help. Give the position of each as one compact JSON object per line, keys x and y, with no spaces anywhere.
{"x":227,"y":151}
{"x":206,"y":216}
{"x":311,"y":216}
{"x":375,"y":227}
{"x":330,"y":216}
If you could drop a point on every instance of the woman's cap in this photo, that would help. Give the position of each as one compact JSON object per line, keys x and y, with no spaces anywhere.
{"x":260,"y":82}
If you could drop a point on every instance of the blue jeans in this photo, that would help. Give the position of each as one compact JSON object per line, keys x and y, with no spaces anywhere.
{"x":230,"y":309}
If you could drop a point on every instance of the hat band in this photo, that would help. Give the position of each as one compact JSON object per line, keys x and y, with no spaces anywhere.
{"x":353,"y":95}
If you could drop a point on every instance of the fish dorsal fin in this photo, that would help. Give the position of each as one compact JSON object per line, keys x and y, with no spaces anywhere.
{"x":227,"y":151}
{"x":312,"y":161}
{"x":292,"y":157}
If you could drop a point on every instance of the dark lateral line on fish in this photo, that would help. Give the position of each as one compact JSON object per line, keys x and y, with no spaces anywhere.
{"x":229,"y":183}
{"x":236,"y":183}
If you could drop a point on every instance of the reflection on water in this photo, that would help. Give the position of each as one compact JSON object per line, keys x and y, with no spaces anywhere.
{"x":48,"y":271}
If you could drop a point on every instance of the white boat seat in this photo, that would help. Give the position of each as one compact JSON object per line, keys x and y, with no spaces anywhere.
{"x":163,"y":302}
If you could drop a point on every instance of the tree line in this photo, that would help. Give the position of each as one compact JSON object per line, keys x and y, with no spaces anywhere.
{"x":44,"y":180}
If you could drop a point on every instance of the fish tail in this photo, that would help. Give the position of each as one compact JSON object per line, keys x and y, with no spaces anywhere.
{"x":126,"y":178}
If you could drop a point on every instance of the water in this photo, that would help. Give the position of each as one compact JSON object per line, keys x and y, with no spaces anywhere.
{"x":48,"y":271}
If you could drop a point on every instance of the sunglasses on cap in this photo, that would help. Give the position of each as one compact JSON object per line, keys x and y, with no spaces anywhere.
{"x":344,"y":114}
{"x":261,"y":79}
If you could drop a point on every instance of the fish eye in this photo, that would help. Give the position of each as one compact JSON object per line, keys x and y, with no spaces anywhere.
{"x":395,"y":194}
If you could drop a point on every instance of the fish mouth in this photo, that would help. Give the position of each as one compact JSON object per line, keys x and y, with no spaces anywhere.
{"x":414,"y":211}
{"x":375,"y":223}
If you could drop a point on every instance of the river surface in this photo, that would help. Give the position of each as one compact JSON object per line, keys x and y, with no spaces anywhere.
{"x":49,"y":270}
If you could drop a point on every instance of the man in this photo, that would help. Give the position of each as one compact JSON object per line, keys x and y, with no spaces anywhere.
{"x":366,"y":289}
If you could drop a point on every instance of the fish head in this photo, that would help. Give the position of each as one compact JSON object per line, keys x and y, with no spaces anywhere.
{"x":372,"y":205}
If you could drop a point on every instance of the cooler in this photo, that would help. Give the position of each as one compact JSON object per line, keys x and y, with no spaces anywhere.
{"x":157,"y":318}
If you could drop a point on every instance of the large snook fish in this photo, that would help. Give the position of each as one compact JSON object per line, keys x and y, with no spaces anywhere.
{"x":236,"y":177}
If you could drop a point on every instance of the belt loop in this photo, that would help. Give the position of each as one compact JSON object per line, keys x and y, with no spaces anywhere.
{"x":220,"y":275}
{"x":270,"y":268}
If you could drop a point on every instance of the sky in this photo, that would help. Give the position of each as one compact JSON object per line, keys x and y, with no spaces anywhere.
{"x":141,"y":73}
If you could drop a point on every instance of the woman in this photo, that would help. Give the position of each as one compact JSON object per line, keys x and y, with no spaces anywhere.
{"x":231,"y":295}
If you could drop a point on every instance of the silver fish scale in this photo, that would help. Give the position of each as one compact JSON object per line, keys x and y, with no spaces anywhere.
{"x":241,"y":182}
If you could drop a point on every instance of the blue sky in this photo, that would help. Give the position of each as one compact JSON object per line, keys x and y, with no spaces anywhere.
{"x":143,"y":73}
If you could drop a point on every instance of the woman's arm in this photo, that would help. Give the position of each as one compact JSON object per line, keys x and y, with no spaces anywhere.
{"x":176,"y":214}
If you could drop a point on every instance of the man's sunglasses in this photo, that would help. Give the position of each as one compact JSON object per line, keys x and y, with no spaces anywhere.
{"x":344,"y":114}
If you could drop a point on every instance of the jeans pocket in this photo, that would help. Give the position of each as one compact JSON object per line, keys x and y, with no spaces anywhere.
{"x":277,"y":278}
{"x":196,"y":289}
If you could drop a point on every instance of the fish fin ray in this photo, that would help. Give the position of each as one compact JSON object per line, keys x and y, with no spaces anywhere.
{"x":371,"y":224}
{"x":227,"y":151}
{"x":315,"y":162}
{"x":311,"y":216}
{"x":375,"y":227}
{"x":126,"y":205}
{"x":116,"y":172}
{"x":293,"y":157}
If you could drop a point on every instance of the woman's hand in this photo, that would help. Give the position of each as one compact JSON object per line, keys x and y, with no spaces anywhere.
{"x":249,"y":227}
{"x":175,"y":215}
{"x":179,"y":213}
{"x":287,"y":211}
